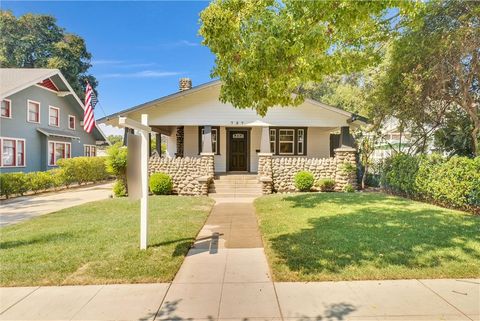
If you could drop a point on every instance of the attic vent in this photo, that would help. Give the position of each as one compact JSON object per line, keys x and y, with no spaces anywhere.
{"x":47,"y":83}
{"x":185,"y":84}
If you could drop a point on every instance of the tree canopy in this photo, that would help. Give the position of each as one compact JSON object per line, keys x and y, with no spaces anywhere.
{"x":433,"y":69}
{"x":36,"y":41}
{"x":266,"y":49}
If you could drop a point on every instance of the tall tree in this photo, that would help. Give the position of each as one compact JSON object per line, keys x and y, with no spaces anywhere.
{"x":435,"y":69}
{"x":266,"y":49}
{"x":36,"y":41}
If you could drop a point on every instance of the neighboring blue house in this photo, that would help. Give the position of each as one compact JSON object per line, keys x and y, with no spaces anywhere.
{"x":41,"y":121}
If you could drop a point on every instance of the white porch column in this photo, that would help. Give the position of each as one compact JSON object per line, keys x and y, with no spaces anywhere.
{"x":265,"y":140}
{"x":207,"y":139}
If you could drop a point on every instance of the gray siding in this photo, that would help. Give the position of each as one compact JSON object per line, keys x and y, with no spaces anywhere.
{"x":36,"y":147}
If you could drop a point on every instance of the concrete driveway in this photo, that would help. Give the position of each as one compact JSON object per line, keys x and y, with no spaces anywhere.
{"x":24,"y":208}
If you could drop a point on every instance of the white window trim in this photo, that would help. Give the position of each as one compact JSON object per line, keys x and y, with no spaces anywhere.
{"x":302,"y":142}
{"x":74,"y":122}
{"x":286,"y":141}
{"x":214,"y":141}
{"x":39,"y":111}
{"x":274,"y":141}
{"x":49,"y":115}
{"x":85,"y":150}
{"x":10,"y":116}
{"x":15,"y":156}
{"x":54,"y":149}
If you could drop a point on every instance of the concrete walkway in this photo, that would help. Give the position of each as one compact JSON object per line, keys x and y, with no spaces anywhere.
{"x":25,"y":207}
{"x":226,"y":277}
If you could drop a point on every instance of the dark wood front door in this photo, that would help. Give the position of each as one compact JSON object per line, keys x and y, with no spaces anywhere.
{"x":238,"y":151}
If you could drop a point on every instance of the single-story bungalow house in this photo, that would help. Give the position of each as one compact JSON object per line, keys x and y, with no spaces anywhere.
{"x":41,"y":121}
{"x":207,"y":139}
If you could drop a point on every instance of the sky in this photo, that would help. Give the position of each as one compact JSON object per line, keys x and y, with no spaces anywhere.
{"x":139,"y":49}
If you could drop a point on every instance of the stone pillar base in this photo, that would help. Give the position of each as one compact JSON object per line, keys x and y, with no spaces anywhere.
{"x":265,"y":173}
{"x":346,"y":170}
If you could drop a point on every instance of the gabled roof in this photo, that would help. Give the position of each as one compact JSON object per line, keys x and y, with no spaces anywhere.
{"x":210,"y":84}
{"x":13,"y":80}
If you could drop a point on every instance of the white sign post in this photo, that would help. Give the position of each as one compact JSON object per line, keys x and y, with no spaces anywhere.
{"x":144,"y":131}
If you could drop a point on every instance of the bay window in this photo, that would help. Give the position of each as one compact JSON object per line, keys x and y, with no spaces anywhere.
{"x":13,"y":152}
{"x":58,"y":150}
{"x":33,"y":112}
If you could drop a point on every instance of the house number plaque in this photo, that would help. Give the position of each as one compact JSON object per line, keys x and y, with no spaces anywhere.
{"x":238,"y":136}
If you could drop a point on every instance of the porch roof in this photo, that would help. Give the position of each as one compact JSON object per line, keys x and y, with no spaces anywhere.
{"x":200,"y":106}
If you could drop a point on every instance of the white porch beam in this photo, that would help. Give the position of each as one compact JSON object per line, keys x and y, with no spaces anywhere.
{"x":265,"y":140}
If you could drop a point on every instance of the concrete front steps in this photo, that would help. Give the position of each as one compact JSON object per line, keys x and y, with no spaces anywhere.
{"x":235,"y":186}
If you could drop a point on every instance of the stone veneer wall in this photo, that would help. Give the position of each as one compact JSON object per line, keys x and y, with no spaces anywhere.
{"x":180,"y":141}
{"x":277,"y":173}
{"x":190,"y":175}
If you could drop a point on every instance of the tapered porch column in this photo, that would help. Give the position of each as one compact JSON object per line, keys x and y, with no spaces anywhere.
{"x":265,"y":162}
{"x":207,"y":153}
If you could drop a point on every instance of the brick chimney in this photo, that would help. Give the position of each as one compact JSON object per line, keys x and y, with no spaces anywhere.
{"x":185,"y":84}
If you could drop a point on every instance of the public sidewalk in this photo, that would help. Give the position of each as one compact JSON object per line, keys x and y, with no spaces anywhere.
{"x":226,"y":277}
{"x":25,"y":207}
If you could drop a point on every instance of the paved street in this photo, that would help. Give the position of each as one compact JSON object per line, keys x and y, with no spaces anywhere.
{"x":24,"y":208}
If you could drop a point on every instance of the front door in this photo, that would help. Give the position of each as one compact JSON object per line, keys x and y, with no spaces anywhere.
{"x":238,"y":150}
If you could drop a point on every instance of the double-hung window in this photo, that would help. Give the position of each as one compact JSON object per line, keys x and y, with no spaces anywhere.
{"x":13,"y":152}
{"x":89,"y":150}
{"x":286,"y":141}
{"x":71,"y":122}
{"x":215,"y":140}
{"x":58,"y":150}
{"x":6,"y":108}
{"x":33,"y":111}
{"x":54,"y":116}
{"x":273,"y":135}
{"x":300,"y":141}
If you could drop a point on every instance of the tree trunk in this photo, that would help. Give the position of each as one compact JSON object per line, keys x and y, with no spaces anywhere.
{"x":364,"y":176}
{"x":475,"y":140}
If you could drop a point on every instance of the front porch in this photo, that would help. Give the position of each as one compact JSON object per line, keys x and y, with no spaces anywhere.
{"x":195,"y":155}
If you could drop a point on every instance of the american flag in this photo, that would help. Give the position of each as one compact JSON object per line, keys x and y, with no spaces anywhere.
{"x":90,"y":102}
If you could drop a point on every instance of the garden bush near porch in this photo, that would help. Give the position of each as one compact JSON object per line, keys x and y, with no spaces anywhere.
{"x":98,"y":243}
{"x":357,"y":236}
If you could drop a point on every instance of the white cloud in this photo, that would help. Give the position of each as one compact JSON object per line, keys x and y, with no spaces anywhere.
{"x":141,"y":74}
{"x":106,"y":62}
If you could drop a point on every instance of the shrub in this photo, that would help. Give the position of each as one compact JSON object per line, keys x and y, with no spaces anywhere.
{"x":116,"y":161}
{"x":348,"y":188}
{"x":399,"y":174}
{"x":58,"y":177}
{"x":326,"y":184}
{"x":83,"y":169}
{"x":119,"y":189}
{"x":13,"y":184}
{"x":39,"y":181}
{"x":161,"y":184}
{"x":304,"y":181}
{"x":348,"y":168}
{"x":453,"y":182}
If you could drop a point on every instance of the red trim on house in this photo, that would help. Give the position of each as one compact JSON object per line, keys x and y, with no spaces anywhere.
{"x":47,"y":83}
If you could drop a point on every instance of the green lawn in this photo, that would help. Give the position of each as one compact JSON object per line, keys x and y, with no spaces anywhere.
{"x":99,"y":243}
{"x":355,"y":236}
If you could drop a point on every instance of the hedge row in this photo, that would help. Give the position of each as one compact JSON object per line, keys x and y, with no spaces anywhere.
{"x":77,"y":170}
{"x":452,"y":182}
